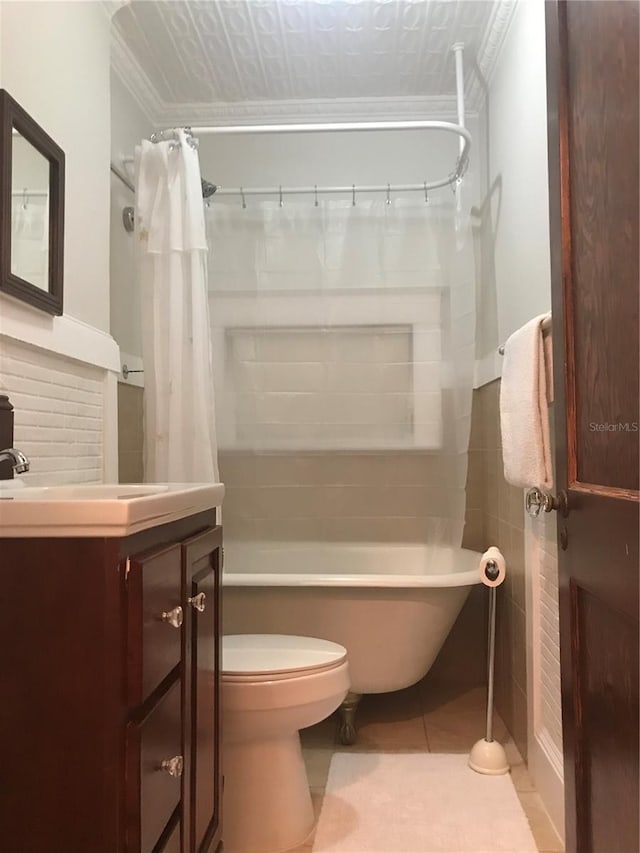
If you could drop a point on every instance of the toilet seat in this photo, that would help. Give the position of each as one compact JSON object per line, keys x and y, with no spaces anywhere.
{"x":273,"y":657}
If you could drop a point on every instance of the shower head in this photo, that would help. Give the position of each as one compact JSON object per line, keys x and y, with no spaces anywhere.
{"x":208,"y":189}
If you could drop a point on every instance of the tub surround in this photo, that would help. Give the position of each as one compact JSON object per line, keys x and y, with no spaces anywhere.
{"x":335,"y":497}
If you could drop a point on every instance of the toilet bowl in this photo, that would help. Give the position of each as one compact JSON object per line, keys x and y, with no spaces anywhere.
{"x":273,"y":686}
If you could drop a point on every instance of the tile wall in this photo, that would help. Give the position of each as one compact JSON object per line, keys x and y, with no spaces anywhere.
{"x":59,"y":408}
{"x":130,"y":434}
{"x":495,"y":516}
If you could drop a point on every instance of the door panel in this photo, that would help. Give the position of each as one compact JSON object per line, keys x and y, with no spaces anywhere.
{"x":202,"y":561}
{"x":607,"y":698}
{"x":592,"y":83}
{"x":602,"y":124}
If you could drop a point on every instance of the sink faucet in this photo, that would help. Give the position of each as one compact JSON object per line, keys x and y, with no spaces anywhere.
{"x":18,"y":460}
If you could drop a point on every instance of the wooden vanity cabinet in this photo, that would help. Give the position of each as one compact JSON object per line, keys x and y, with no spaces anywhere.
{"x":109,"y":707}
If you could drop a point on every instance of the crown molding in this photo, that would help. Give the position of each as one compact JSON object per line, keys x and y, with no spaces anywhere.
{"x":134,"y":78}
{"x":312,"y":110}
{"x":490,"y":50}
{"x":162,"y":114}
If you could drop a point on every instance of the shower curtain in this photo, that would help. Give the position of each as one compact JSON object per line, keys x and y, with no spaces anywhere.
{"x":348,"y":329}
{"x":180,"y":435}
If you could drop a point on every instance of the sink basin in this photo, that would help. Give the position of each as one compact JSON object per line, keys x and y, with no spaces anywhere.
{"x":98,"y":492}
{"x":101,"y":510}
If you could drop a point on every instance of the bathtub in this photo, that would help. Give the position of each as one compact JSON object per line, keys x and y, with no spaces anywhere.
{"x":391,"y":605}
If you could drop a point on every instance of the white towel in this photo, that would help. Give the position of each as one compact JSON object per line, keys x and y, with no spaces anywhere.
{"x":524,"y":414}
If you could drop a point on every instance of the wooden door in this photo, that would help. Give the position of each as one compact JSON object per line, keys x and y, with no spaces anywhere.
{"x":202,"y":561}
{"x":592,"y":80}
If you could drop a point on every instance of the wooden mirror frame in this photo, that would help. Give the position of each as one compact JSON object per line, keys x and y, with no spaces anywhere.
{"x":13,"y":115}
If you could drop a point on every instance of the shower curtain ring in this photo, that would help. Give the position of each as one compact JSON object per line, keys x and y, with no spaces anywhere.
{"x":244,"y":201}
{"x":315,"y":192}
{"x":388,"y":193}
{"x":426,"y":194}
{"x":280,"y":190}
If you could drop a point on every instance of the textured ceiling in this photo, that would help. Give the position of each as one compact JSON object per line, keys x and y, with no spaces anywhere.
{"x":241,"y":57}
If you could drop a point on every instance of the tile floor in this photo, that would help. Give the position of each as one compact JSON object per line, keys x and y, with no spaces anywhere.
{"x":426,"y":717}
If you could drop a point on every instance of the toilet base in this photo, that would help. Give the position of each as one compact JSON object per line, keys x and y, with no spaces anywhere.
{"x":266,"y":802}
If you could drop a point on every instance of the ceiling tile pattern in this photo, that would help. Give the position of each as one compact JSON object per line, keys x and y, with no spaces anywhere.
{"x":212,"y":54}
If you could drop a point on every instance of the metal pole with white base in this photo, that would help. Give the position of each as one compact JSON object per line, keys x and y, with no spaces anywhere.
{"x":488,"y":756}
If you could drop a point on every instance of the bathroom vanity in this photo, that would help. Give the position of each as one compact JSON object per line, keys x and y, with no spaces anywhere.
{"x":109,"y":718}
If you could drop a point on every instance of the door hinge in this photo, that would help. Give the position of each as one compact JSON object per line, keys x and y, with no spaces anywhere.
{"x":127,"y":569}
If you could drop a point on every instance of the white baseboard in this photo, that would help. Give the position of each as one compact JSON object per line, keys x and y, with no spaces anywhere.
{"x":545,"y":768}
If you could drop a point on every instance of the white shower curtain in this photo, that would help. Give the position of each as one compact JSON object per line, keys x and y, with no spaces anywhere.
{"x":348,"y":329}
{"x":180,"y":437}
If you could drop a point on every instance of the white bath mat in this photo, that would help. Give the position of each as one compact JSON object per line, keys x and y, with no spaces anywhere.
{"x":418,"y":803}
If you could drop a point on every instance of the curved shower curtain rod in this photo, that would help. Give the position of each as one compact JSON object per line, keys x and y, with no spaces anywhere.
{"x":451,"y":179}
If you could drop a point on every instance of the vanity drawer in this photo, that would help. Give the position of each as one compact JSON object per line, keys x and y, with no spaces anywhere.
{"x":154,"y":773}
{"x":154,"y":620}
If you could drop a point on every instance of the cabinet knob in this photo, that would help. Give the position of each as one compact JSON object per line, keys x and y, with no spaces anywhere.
{"x":173,"y":617}
{"x":198,"y":601}
{"x":173,"y":766}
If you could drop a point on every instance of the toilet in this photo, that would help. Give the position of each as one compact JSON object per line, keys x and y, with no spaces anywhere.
{"x":273,"y":686}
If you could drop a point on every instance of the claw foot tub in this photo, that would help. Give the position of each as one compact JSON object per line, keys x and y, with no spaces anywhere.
{"x":391,"y":605}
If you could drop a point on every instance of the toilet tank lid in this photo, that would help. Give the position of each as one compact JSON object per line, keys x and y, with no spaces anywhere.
{"x":245,"y":654}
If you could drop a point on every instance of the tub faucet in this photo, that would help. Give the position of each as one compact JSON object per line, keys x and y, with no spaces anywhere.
{"x":18,"y":460}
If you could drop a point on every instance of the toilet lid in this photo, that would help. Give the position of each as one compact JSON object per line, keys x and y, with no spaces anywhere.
{"x":263,"y":654}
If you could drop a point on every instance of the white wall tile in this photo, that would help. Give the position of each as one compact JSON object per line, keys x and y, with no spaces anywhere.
{"x":59,"y":412}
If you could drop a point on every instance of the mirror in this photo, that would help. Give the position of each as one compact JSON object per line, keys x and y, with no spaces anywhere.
{"x":31,"y":210}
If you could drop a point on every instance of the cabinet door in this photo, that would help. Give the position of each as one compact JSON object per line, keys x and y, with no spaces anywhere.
{"x":202,"y":564}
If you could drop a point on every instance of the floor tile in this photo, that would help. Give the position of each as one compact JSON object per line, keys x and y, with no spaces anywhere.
{"x":456,"y":719}
{"x":317,"y":761}
{"x":438,"y":717}
{"x":390,"y":722}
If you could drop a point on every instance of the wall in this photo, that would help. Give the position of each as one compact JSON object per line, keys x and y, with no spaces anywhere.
{"x":512,"y":231}
{"x":128,"y":126}
{"x":130,"y":434}
{"x":328,"y":159}
{"x":513,"y":220}
{"x":324,"y":495}
{"x":495,"y":516}
{"x":54,"y":60}
{"x":58,"y":414}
